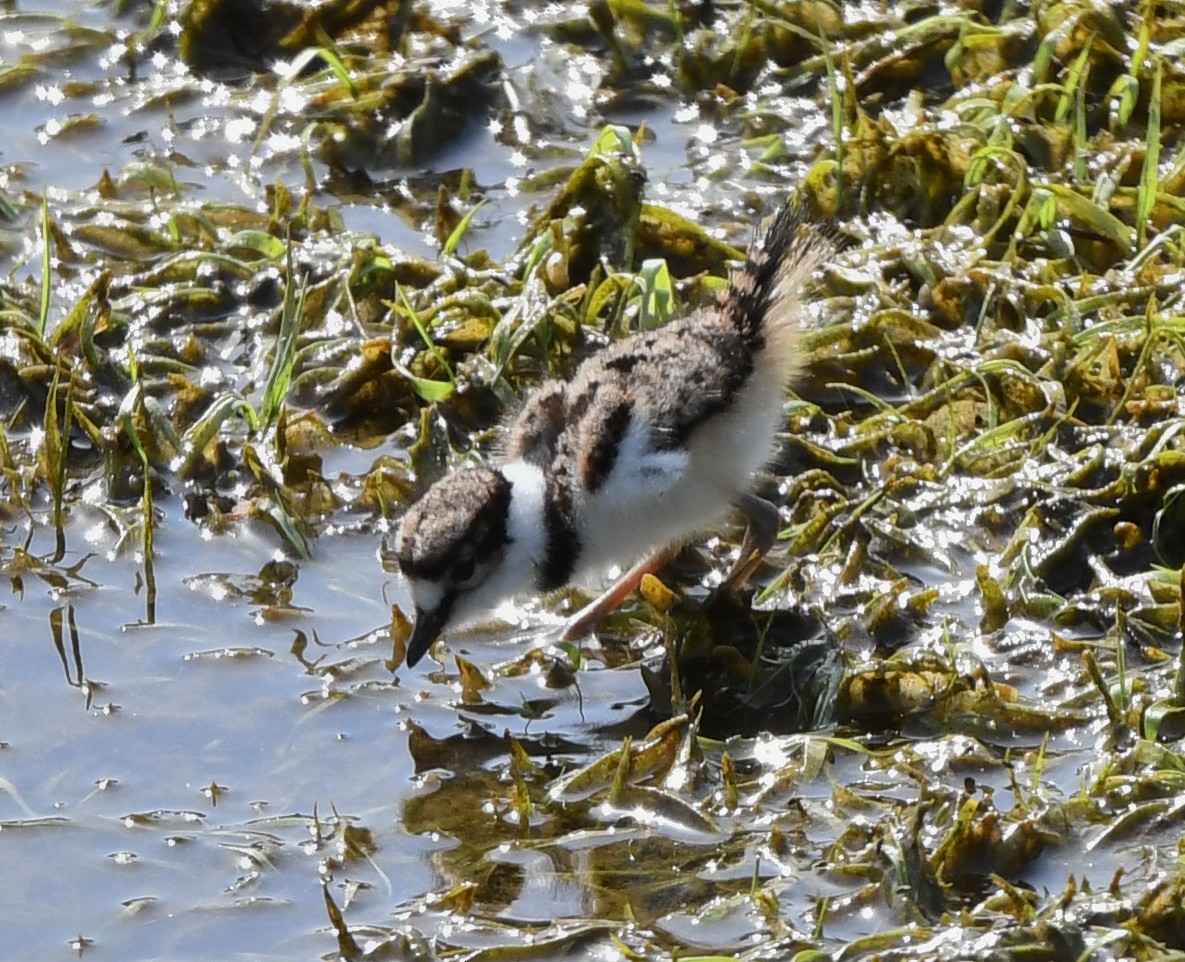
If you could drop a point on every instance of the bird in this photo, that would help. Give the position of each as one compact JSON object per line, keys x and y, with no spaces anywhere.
{"x":657,"y":437}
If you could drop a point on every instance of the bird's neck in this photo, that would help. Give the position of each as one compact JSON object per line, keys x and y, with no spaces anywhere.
{"x":525,"y":528}
{"x":541,"y":524}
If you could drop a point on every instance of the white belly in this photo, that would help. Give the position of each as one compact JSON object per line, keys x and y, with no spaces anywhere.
{"x":655,"y":499}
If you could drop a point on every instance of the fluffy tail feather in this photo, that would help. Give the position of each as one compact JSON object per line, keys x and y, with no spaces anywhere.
{"x":762,"y":298}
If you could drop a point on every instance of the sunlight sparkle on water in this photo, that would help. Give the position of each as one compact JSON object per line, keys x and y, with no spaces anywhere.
{"x":114,"y":54}
{"x":337,"y":323}
{"x":293,"y":100}
{"x":238,"y":129}
{"x":96,"y":533}
{"x":280,"y":143}
{"x":94,"y":493}
{"x":51,"y":95}
{"x":581,"y":86}
{"x":288,"y":69}
{"x":772,"y":752}
{"x":216,"y":94}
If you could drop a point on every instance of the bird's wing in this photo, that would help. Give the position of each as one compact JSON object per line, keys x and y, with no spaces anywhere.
{"x":534,"y":434}
{"x":693,"y":371}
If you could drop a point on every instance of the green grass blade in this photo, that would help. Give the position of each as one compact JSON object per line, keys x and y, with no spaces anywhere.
{"x":454,"y":239}
{"x":291,"y":320}
{"x":1150,"y":175}
{"x":426,"y":388}
{"x":46,"y":277}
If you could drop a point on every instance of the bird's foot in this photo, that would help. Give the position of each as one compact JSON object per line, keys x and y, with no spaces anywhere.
{"x":760,"y":535}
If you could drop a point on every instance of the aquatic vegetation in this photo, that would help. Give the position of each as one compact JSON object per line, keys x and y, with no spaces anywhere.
{"x":953,"y":705}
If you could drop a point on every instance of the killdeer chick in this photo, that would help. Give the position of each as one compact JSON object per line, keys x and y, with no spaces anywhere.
{"x":657,"y":437}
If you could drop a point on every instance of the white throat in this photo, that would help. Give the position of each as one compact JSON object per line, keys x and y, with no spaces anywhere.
{"x":525,"y":525}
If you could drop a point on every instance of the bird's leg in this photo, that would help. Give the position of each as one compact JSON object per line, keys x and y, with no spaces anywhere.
{"x":592,"y":614}
{"x":760,"y":534}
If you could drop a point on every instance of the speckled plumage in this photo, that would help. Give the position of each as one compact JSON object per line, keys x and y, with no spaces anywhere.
{"x":475,"y":501}
{"x":655,"y":437}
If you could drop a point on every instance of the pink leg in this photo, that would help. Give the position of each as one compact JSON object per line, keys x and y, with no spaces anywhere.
{"x":592,"y":614}
{"x":760,"y":535}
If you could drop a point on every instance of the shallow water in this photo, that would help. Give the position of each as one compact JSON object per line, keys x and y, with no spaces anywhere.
{"x":208,"y":695}
{"x":179,"y":778}
{"x":202,"y":132}
{"x":159,"y":779}
{"x":165,"y":799}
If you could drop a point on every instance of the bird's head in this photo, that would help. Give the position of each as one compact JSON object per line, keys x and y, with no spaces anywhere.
{"x":461,"y":552}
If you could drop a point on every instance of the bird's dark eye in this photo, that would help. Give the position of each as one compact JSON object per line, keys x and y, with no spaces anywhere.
{"x":463,"y":570}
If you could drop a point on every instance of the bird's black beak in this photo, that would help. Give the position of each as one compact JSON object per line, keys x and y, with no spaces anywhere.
{"x":427,"y":629}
